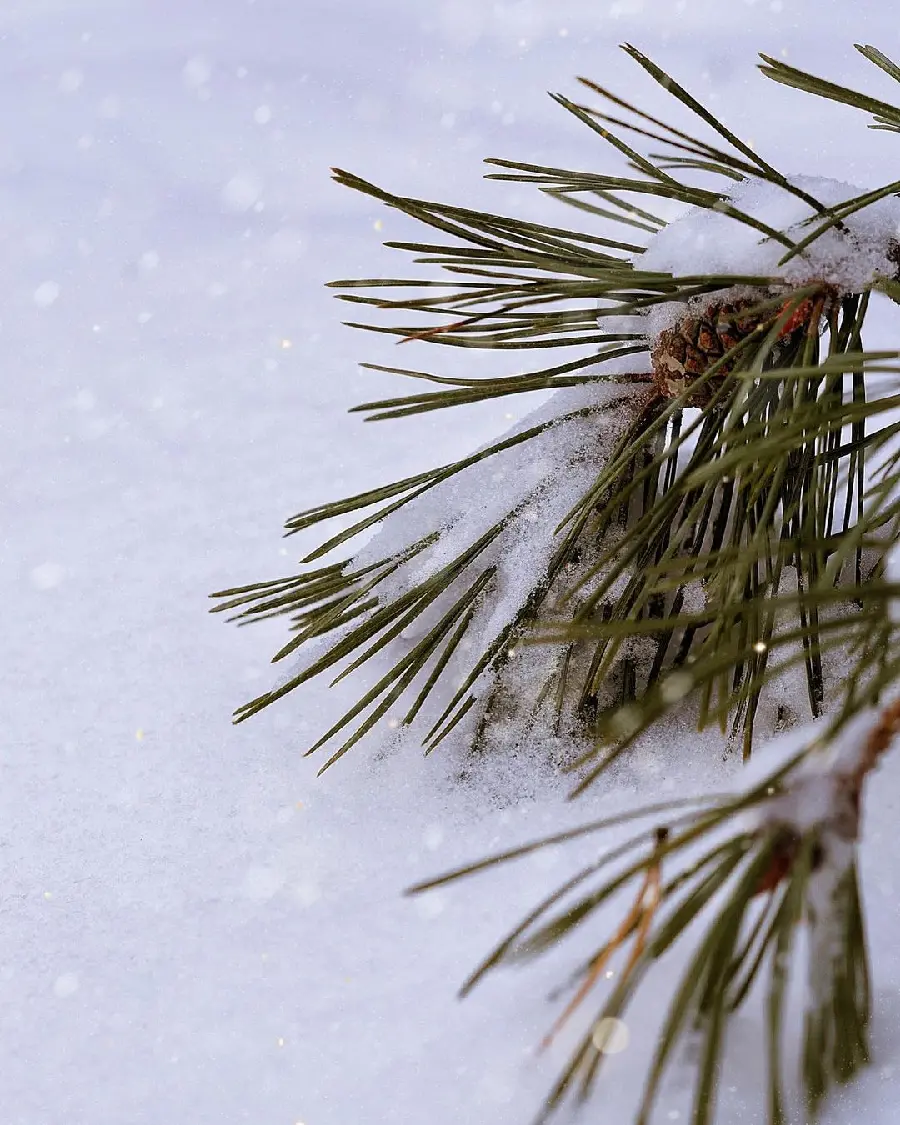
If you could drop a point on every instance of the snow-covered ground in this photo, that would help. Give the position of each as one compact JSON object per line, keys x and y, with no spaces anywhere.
{"x":193,"y":928}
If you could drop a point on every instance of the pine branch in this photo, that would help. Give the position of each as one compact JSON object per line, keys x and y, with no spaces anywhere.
{"x":728,"y":505}
{"x":768,"y":863}
{"x":705,"y":504}
{"x":886,"y":116}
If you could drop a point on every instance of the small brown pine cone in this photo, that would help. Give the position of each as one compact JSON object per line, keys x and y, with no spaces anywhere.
{"x":687,"y":351}
{"x":683,"y":353}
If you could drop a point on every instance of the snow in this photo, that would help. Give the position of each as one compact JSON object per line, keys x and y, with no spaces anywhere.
{"x":710,"y":241}
{"x":699,"y":241}
{"x":194,"y":927}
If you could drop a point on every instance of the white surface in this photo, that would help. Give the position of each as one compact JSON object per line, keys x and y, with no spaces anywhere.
{"x":194,"y":929}
{"x":704,"y":241}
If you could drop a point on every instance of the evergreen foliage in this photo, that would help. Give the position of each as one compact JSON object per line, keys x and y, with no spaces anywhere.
{"x":735,"y":525}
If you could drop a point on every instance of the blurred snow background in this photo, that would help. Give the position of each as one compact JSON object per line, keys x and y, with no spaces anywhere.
{"x":192,"y":927}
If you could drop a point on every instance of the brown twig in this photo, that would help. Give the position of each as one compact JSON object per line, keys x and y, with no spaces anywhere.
{"x":639,"y":917}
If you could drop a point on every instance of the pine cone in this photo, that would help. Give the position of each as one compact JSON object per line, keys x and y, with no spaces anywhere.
{"x":683,"y":353}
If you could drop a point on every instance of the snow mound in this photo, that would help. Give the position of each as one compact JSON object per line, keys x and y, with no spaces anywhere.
{"x":704,"y":241}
